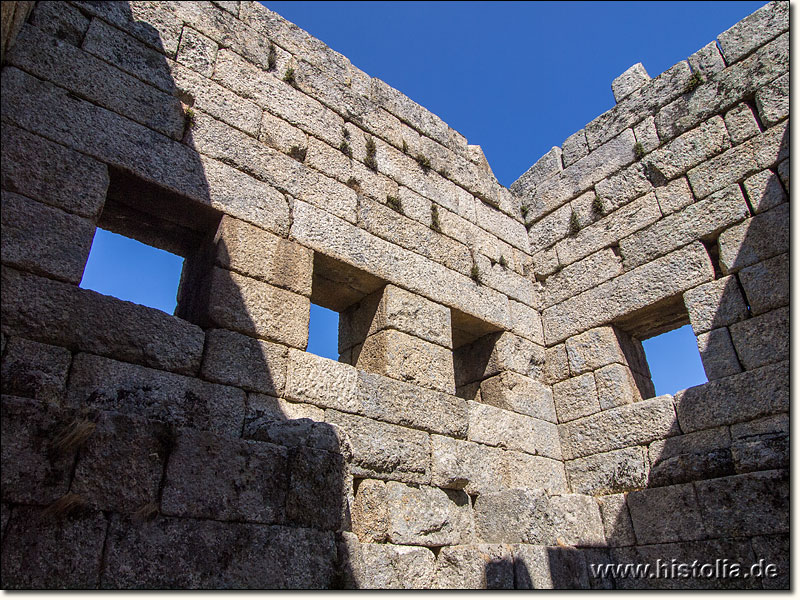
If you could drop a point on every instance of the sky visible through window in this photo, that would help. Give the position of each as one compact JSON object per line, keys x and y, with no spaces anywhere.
{"x":674,"y":360}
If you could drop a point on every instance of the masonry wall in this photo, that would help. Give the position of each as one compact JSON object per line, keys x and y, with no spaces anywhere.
{"x":490,"y":422}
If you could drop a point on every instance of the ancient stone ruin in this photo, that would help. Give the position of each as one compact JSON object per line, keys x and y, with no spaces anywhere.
{"x":491,"y":422}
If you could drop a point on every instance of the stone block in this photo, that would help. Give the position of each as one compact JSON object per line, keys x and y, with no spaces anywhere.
{"x":707,"y":60}
{"x":428,"y":516}
{"x":689,"y":149}
{"x":385,"y":451}
{"x":264,"y":425}
{"x":783,"y":172}
{"x":251,"y":251}
{"x":576,"y":397}
{"x":322,"y":382}
{"x":666,"y":514}
{"x":74,"y":182}
{"x":627,"y":425}
{"x":549,"y":567}
{"x":630,"y":81}
{"x":745,"y":505}
{"x":609,"y":472}
{"x":757,"y":239}
{"x":774,"y":549}
{"x":576,"y":520}
{"x":717,"y":353}
{"x":741,"y":123}
{"x":766,"y":284}
{"x":44,"y":240}
{"x":407,"y":358}
{"x":690,"y":457}
{"x":718,"y":303}
{"x":207,"y":554}
{"x":54,"y":312}
{"x":764,"y":190}
{"x":646,"y":134}
{"x":34,"y":370}
{"x":633,"y":291}
{"x":385,"y":566}
{"x":701,"y":220}
{"x":551,"y":228}
{"x":594,"y":349}
{"x":616,"y":520}
{"x":501,"y":225}
{"x":616,"y":385}
{"x":772,"y":101}
{"x":513,"y":516}
{"x":574,"y":148}
{"x":370,"y":511}
{"x":197,"y":51}
{"x":622,"y":187}
{"x":527,"y":471}
{"x":35,"y":469}
{"x":582,"y":275}
{"x":214,"y":477}
{"x":734,"y":399}
{"x":475,"y":567}
{"x":103,"y":384}
{"x":547,"y":166}
{"x":526,"y":322}
{"x":43,"y":552}
{"x":497,"y":427}
{"x":318,"y":487}
{"x":121,"y":464}
{"x":763,"y":339}
{"x":260,"y":406}
{"x":556,"y":364}
{"x":674,"y":196}
{"x":753,"y":31}
{"x":760,"y":445}
{"x":475,"y":468}
{"x":518,"y":393}
{"x":64,"y":22}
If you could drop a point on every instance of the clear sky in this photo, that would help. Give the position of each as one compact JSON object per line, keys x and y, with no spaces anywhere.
{"x":515,"y":77}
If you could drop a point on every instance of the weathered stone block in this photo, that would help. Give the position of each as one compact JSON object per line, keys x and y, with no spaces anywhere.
{"x":763,"y":339}
{"x":385,"y":566}
{"x":385,"y":451}
{"x":63,"y":21}
{"x":556,"y":364}
{"x":370,"y":511}
{"x":646,"y":134}
{"x":197,"y":51}
{"x":620,"y":427}
{"x":690,"y":457}
{"x":260,"y":406}
{"x":214,"y":477}
{"x":741,"y":123}
{"x":495,"y":353}
{"x":743,"y":505}
{"x":526,"y":322}
{"x":764,"y":190}
{"x":428,"y":516}
{"x":761,"y":444}
{"x":707,"y":60}
{"x":55,"y":312}
{"x":34,"y":370}
{"x":630,"y":81}
{"x":609,"y":472}
{"x":322,"y":382}
{"x":40,"y":551}
{"x":576,"y":397}
{"x":717,"y":353}
{"x":616,"y":385}
{"x":576,"y":520}
{"x":774,"y":549}
{"x":548,"y":165}
{"x":100,"y":383}
{"x":45,"y":240}
{"x":718,"y":303}
{"x":459,"y":464}
{"x":594,"y":349}
{"x":674,"y":196}
{"x":476,"y":567}
{"x":544,"y":568}
{"x":518,"y":393}
{"x":526,"y":471}
{"x":35,"y":468}
{"x":514,"y":515}
{"x":766,"y":284}
{"x":616,"y":520}
{"x":317,"y":492}
{"x":582,"y":275}
{"x":753,"y":31}
{"x":755,"y":240}
{"x":773,"y":101}
{"x":574,"y":148}
{"x":498,"y":427}
{"x":666,"y":514}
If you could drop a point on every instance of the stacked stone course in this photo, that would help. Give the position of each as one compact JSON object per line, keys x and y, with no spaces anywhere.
{"x":491,"y":422}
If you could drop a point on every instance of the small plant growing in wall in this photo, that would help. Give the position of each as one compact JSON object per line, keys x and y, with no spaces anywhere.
{"x":502,"y":262}
{"x":638,"y":151}
{"x":574,"y":224}
{"x":272,"y":57}
{"x":289,"y":77}
{"x":523,"y":210}
{"x":475,"y":274}
{"x":394,"y":203}
{"x":693,"y":83}
{"x":444,"y":173}
{"x":424,"y":163}
{"x":405,"y":147}
{"x":435,"y":225}
{"x":345,"y":133}
{"x":370,"y":160}
{"x":597,"y":205}
{"x":354,"y":185}
{"x":345,"y":149}
{"x":298,"y":153}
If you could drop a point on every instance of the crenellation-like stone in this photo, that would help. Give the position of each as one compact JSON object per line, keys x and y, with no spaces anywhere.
{"x":574,"y":148}
{"x":547,"y":166}
{"x":707,"y":60}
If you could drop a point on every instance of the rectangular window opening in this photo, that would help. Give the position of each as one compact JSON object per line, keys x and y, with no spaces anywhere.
{"x":473,"y":344}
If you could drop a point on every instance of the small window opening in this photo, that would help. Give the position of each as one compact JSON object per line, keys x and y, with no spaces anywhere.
{"x":674,"y":360}
{"x":323,"y":332}
{"x":473,"y":344}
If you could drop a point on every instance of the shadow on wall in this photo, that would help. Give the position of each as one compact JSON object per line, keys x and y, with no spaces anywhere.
{"x":174,"y":482}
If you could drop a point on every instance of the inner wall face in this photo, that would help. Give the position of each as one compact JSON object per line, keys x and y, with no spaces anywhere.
{"x":491,"y":420}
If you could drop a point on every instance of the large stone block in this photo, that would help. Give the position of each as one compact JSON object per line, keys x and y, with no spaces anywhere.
{"x":718,"y":303}
{"x":318,"y":488}
{"x":428,"y":516}
{"x":556,"y":364}
{"x":753,"y":31}
{"x":549,"y":567}
{"x":757,"y":239}
{"x":74,"y":182}
{"x":370,"y":516}
{"x":745,"y":505}
{"x":762,"y":340}
{"x":34,"y":370}
{"x":674,"y":196}
{"x":547,"y":166}
{"x":616,"y":520}
{"x":766,"y":284}
{"x":764,"y":190}
{"x":43,"y":552}
{"x":717,"y":353}
{"x":690,"y":457}
{"x":574,"y":148}
{"x":514,"y":515}
{"x":459,"y":464}
{"x":707,"y":60}
{"x":100,"y":383}
{"x":576,"y":520}
{"x":594,"y":349}
{"x":385,"y":566}
{"x":527,"y":471}
{"x":497,"y":352}
{"x":616,"y":385}
{"x":741,"y":123}
{"x":526,"y":322}
{"x":620,"y":427}
{"x":497,"y":427}
{"x":322,"y":382}
{"x":666,"y":514}
{"x":609,"y":472}
{"x":576,"y":397}
{"x":258,"y":309}
{"x":223,"y":478}
{"x":55,"y":312}
{"x":197,"y":51}
{"x":582,"y":275}
{"x":773,"y":101}
{"x":620,"y":188}
{"x":62,"y":21}
{"x":761,"y":444}
{"x":385,"y":451}
{"x":518,"y":393}
{"x":475,"y":567}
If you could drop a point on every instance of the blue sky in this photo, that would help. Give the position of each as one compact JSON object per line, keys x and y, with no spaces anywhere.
{"x":515,"y":77}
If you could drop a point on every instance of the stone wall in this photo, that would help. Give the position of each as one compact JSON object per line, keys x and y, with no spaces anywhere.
{"x":491,"y":420}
